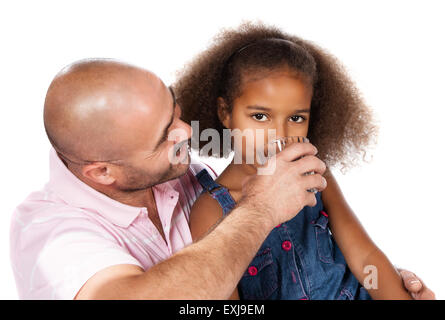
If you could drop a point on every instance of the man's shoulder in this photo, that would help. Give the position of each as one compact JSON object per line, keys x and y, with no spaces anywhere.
{"x":40,"y":214}
{"x":55,"y":247}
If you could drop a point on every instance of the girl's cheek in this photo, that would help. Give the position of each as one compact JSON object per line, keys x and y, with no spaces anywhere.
{"x":300,"y":133}
{"x":299,"y":130}
{"x":241,"y":121}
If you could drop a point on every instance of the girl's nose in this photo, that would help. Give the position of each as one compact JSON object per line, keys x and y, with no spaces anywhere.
{"x":281,"y":131}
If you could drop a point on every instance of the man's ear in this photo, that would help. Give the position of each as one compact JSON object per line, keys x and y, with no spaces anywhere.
{"x":99,"y":172}
{"x":224,"y":113}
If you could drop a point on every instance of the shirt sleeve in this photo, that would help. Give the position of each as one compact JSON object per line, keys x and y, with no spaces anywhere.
{"x":65,"y":258}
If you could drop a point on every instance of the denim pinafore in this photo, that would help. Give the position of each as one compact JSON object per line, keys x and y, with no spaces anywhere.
{"x":299,"y":260}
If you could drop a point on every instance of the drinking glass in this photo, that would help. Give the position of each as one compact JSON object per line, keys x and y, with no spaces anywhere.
{"x":277,"y":145}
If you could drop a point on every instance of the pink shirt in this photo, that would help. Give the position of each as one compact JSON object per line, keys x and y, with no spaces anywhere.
{"x":67,"y":232}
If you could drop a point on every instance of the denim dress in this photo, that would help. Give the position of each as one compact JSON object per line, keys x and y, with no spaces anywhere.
{"x":299,"y":260}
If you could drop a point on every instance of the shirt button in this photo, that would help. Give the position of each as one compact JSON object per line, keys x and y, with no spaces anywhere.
{"x":286,"y":245}
{"x":252,"y":270}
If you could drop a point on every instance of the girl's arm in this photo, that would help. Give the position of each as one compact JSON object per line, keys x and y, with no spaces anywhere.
{"x":206,"y":213}
{"x":358,"y":248}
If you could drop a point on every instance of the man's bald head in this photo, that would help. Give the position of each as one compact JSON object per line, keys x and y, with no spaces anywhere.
{"x":94,"y":109}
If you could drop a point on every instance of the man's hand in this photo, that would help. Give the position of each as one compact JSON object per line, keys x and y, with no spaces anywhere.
{"x":415,"y":286}
{"x":279,"y":195}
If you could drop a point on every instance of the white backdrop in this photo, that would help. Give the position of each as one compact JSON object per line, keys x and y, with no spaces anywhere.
{"x":393,"y":50}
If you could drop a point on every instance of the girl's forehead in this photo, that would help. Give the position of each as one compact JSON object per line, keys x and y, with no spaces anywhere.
{"x":277,"y":89}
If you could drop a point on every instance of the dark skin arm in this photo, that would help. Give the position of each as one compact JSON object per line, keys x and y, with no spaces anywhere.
{"x":358,"y":248}
{"x":206,"y":213}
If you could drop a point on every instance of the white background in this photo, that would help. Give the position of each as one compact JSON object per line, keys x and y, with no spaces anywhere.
{"x":394,"y":50}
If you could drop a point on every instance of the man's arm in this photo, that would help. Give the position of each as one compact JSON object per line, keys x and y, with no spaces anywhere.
{"x":212,"y":267}
{"x":199,"y":271}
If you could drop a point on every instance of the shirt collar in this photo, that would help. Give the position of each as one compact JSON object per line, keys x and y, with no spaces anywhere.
{"x":78,"y":194}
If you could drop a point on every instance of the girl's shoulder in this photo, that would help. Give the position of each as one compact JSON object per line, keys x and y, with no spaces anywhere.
{"x":230,"y":179}
{"x":205,"y":212}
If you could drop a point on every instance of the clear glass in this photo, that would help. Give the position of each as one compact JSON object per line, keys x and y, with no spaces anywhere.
{"x":279,"y":144}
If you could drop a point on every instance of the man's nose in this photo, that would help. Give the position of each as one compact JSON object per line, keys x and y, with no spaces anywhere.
{"x":186,"y":127}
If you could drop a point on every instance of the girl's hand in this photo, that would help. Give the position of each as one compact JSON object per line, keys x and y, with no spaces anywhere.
{"x":415,"y":286}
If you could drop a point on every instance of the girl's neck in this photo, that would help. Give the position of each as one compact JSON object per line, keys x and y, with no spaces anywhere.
{"x":233,"y":176}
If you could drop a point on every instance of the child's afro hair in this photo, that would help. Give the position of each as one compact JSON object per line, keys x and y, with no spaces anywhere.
{"x":341,"y":124}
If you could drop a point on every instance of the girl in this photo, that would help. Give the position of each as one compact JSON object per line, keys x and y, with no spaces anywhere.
{"x":258,"y":77}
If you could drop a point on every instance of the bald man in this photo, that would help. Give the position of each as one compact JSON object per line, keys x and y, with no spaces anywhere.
{"x":112,"y":222}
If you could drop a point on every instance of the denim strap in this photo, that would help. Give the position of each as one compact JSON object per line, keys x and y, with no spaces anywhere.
{"x":218,"y":192}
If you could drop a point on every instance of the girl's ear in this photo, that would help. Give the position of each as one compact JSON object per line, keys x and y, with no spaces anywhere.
{"x":224,"y":113}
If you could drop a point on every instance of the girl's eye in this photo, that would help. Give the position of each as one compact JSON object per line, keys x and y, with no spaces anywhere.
{"x":297,"y":119}
{"x":260,"y":117}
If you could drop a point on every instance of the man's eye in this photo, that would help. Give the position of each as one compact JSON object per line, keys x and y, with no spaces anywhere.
{"x":297,"y":119}
{"x":260,"y":117}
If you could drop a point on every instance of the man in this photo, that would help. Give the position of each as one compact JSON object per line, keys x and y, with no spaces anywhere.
{"x":112,"y":219}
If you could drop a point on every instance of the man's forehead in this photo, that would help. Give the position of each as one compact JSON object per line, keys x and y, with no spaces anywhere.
{"x":155,"y":115}
{"x":166,"y":117}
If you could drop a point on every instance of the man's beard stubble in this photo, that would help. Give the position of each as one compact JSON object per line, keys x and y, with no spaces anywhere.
{"x":137,"y":179}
